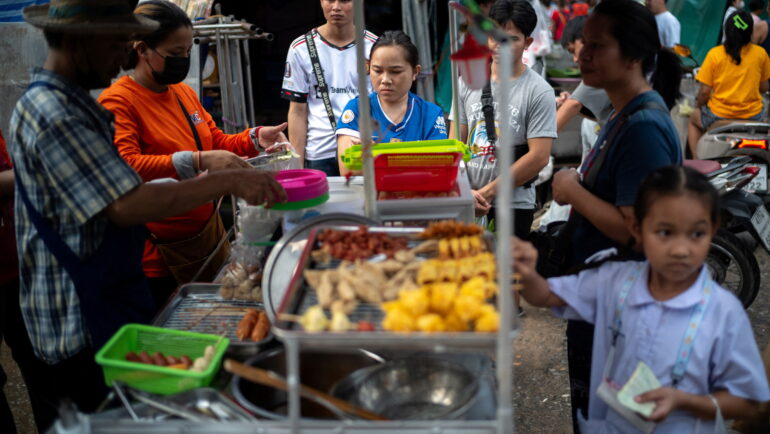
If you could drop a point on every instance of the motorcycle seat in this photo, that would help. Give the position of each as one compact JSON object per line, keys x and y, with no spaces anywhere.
{"x":723,"y":122}
{"x":703,"y":166}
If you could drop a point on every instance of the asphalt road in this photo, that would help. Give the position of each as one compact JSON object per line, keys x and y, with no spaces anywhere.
{"x":541,"y":392}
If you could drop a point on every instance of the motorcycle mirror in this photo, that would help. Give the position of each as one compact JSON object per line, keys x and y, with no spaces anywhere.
{"x":682,"y":50}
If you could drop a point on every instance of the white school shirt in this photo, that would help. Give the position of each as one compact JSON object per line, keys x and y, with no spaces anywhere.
{"x":341,"y":75}
{"x":724,"y":355}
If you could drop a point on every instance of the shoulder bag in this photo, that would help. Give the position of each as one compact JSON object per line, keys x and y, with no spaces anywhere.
{"x":323,"y":89}
{"x":553,"y":245}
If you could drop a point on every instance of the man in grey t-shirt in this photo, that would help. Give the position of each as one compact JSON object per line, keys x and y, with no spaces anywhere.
{"x":533,"y":121}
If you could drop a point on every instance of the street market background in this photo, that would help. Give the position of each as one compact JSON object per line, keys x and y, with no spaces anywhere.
{"x":541,"y":401}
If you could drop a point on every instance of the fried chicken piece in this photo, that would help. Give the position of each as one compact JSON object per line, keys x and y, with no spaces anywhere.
{"x":346,"y":291}
{"x":405,"y":256}
{"x":344,"y":306}
{"x":391,"y":266}
{"x":325,"y":290}
{"x":426,"y":247}
{"x":313,"y":277}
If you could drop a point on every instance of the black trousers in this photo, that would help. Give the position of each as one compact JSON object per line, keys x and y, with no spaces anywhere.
{"x":78,"y":379}
{"x":13,"y":330}
{"x":580,"y":340}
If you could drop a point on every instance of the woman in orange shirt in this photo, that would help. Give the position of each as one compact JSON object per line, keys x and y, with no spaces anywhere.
{"x":154,"y":116}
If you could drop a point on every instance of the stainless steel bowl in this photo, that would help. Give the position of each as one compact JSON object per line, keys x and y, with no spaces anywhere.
{"x":415,"y":388}
{"x":319,"y":370}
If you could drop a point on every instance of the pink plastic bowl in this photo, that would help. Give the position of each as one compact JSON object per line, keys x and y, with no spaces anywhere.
{"x":303,"y":184}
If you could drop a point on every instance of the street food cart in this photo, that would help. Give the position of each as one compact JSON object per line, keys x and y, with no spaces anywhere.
{"x":442,"y":379}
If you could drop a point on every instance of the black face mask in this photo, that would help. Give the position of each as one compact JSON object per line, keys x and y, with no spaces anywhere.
{"x":174,"y":71}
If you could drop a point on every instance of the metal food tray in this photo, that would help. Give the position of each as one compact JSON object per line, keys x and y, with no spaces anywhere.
{"x":301,"y":296}
{"x":197,"y":307}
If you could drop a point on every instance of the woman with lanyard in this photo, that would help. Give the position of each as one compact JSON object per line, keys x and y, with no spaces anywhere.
{"x":163,"y":131}
{"x":620,"y":50}
{"x":400,"y":115}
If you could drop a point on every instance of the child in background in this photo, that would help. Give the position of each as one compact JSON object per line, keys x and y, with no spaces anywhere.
{"x":659,"y":309}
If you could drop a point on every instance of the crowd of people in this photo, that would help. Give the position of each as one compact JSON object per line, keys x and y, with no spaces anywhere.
{"x":115,"y":201}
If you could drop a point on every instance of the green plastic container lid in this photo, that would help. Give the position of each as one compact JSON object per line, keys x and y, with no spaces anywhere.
{"x":352,"y":156}
{"x":301,"y":204}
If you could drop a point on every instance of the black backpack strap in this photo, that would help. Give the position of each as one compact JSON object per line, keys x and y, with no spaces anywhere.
{"x":589,"y":180}
{"x":323,"y":89}
{"x":488,"y":108}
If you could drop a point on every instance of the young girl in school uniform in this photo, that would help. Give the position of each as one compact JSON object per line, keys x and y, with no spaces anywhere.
{"x":666,"y":312}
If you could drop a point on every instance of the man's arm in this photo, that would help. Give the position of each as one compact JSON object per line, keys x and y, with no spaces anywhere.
{"x":156,"y":201}
{"x":298,"y":128}
{"x":526,"y":167}
{"x":568,"y":110}
{"x":764,"y":86}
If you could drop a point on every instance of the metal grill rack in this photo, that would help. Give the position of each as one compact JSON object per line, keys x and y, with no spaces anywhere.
{"x":198,"y":308}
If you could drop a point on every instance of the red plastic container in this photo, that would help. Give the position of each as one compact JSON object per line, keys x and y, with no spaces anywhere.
{"x":416,"y":172}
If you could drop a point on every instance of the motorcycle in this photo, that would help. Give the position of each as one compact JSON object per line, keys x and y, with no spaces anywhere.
{"x":731,"y":261}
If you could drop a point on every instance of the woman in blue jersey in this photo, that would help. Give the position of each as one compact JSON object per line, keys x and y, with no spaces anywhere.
{"x":399,"y":115}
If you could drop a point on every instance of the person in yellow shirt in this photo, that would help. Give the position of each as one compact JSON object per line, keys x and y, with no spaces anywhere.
{"x":731,"y":80}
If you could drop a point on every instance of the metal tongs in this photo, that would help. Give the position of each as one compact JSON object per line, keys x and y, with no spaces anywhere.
{"x":152,"y":401}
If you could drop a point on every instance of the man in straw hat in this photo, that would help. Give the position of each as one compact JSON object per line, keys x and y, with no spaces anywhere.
{"x":80,"y":207}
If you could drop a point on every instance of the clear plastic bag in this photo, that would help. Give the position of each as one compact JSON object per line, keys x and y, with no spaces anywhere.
{"x":242,"y":277}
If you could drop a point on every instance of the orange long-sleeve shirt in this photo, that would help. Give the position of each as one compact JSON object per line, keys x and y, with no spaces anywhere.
{"x":149,"y":128}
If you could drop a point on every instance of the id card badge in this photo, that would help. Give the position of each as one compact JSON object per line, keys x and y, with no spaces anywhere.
{"x":609,"y":394}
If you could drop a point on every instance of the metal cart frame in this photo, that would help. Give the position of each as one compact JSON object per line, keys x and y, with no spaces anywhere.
{"x":504,"y":342}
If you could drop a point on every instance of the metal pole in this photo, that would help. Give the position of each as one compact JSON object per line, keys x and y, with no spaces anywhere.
{"x":249,"y":84}
{"x":364,"y":113}
{"x":230,"y":129}
{"x":504,"y":224}
{"x":293,"y":381}
{"x":241,"y":87}
{"x":454,"y":45}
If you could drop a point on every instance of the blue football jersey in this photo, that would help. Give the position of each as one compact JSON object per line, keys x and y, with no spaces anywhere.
{"x":423,"y":121}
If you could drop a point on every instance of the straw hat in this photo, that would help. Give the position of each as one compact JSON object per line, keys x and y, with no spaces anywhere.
{"x":88,"y":16}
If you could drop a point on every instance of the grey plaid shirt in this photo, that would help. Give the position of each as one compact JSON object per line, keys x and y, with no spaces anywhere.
{"x":61,"y":142}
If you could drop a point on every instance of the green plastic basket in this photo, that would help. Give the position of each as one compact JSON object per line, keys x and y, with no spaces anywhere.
{"x":352,"y":156}
{"x":158,"y":379}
